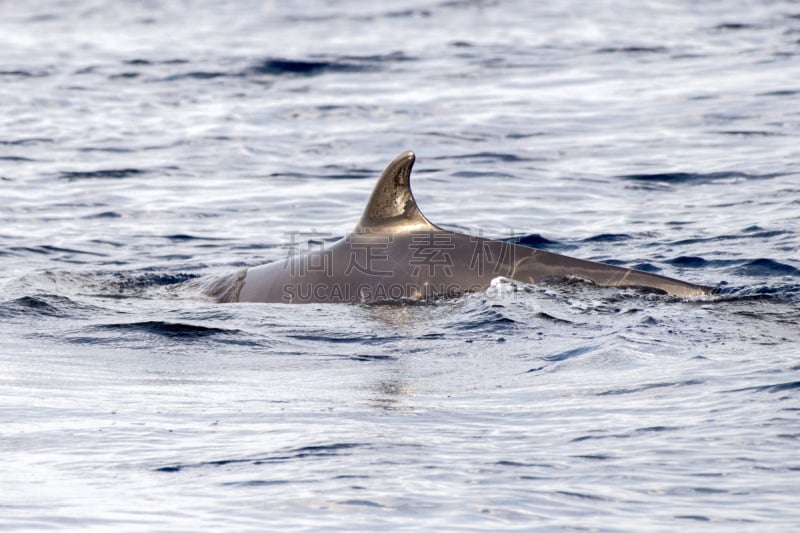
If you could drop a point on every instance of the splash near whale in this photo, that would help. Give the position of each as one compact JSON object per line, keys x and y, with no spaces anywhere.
{"x":395,"y":253}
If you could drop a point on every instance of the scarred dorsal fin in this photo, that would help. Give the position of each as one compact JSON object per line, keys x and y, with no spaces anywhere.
{"x":392,"y":208}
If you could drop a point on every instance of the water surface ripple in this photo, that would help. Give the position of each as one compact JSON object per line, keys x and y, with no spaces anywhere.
{"x":145,"y":146}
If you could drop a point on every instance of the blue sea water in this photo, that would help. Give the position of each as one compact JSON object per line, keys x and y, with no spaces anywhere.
{"x":147,"y":144}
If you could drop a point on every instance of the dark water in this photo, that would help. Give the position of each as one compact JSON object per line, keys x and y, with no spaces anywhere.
{"x":147,"y":144}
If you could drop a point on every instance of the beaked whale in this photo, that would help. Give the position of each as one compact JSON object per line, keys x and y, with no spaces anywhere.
{"x":396,"y":253}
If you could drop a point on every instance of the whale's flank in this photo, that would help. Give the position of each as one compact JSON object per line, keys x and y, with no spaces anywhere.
{"x":396,"y":253}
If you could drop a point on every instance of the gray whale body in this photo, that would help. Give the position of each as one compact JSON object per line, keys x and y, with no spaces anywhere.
{"x":396,"y":253}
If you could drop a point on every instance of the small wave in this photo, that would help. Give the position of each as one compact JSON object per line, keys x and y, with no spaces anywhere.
{"x":106,"y":149}
{"x":534,"y":240}
{"x":657,"y":429}
{"x":50,"y":305}
{"x":781,"y":92}
{"x":406,"y":13}
{"x":688,"y":262}
{"x":361,"y":503}
{"x":627,"y":435}
{"x":101,"y":284}
{"x":168,"y":329}
{"x":368,"y":358}
{"x":569,"y":354}
{"x":608,"y":237}
{"x":17,"y":159}
{"x":582,"y":495}
{"x":22,"y":73}
{"x":766,"y":267}
{"x":55,"y":250}
{"x":775,"y":293}
{"x":487,"y":157}
{"x":325,"y":450}
{"x":649,"y":386}
{"x":344,"y":339}
{"x":632,"y":50}
{"x":695,"y":178}
{"x":275,"y":66}
{"x":489,"y":318}
{"x":777,"y":387}
{"x":694,"y":517}
{"x":554,"y":319}
{"x":197,"y":75}
{"x":279,"y":67}
{"x":482,"y":174}
{"x":183,"y":237}
{"x":124,"y":76}
{"x":646,"y":267}
{"x":728,"y":26}
{"x":348,"y":173}
{"x":751,"y":133}
{"x":27,"y":141}
{"x":149,"y":279}
{"x":254,"y":482}
{"x":113,"y":173}
{"x":27,"y":305}
{"x":138,"y":62}
{"x":103,"y":214}
{"x":595,"y":456}
{"x":296,"y":67}
{"x":753,"y":232}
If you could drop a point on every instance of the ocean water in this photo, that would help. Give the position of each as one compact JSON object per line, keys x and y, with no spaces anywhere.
{"x":148,"y":144}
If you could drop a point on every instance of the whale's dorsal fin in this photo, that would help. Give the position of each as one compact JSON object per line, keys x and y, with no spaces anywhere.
{"x":392,"y":208}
